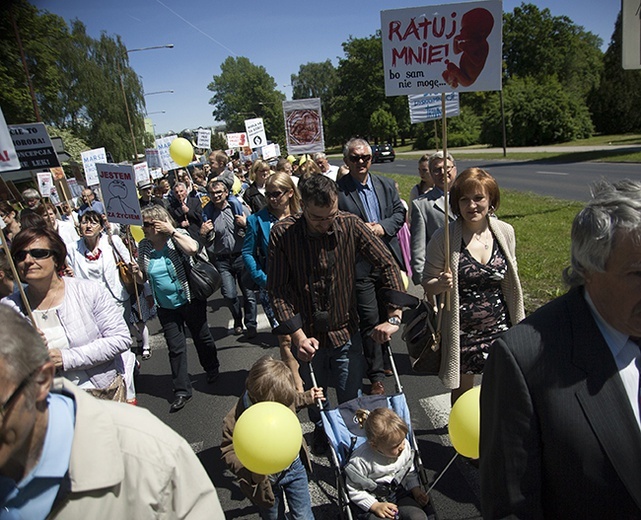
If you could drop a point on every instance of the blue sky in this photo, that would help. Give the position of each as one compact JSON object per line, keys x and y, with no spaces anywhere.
{"x":279,"y":35}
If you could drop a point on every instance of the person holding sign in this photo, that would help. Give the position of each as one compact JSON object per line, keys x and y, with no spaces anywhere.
{"x":486,"y":294}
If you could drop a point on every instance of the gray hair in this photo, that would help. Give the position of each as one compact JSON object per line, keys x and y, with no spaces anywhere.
{"x":355,"y":142}
{"x":21,"y":347}
{"x":438,"y":156}
{"x":318,"y":155}
{"x":613,"y":212}
{"x":157,"y":212}
{"x":180,"y":184}
{"x":30,"y":193}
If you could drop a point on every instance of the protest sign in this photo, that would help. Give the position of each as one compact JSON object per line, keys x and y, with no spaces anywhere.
{"x":237,"y":140}
{"x":74,"y":187}
{"x":270,"y":151}
{"x":33,"y":146}
{"x":163,"y":144}
{"x":204,"y":138}
{"x":89,"y":160}
{"x":8,"y":155}
{"x":426,"y":107}
{"x":142,"y":173}
{"x":155,"y":173}
{"x":442,"y":48}
{"x":153,"y":158}
{"x":303,"y":126}
{"x":120,"y":197}
{"x":631,"y":37}
{"x":45,"y":183}
{"x":255,"y":132}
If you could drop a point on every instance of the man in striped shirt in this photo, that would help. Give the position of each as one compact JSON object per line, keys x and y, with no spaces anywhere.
{"x":311,"y":277}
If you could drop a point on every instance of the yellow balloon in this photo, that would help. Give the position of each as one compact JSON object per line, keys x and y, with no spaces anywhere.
{"x":267,"y":438}
{"x":137,"y":233}
{"x":465,"y":423}
{"x":237,"y":186}
{"x":181,"y":151}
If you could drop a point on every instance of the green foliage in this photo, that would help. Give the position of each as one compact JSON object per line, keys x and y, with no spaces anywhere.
{"x":538,"y":111}
{"x":462,"y":130}
{"x":616,"y":104}
{"x":218,"y":141}
{"x":383,"y":125}
{"x":73,"y":144}
{"x":244,"y":91}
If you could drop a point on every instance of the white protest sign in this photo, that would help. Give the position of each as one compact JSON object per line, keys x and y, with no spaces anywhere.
{"x":153,"y":158}
{"x":8,"y":156}
{"x":269,"y":151}
{"x":155,"y":173}
{"x":142,"y":173}
{"x":76,"y":190}
{"x":163,"y":145}
{"x":45,"y":183}
{"x":304,"y":126}
{"x":120,"y":197}
{"x":442,"y":48}
{"x":631,"y":37}
{"x":204,"y":138}
{"x":426,"y":107}
{"x":237,"y":140}
{"x":255,"y":132}
{"x":89,"y":160}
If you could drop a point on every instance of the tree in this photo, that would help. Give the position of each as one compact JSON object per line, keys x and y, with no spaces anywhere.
{"x":316,"y":80}
{"x":383,"y":125}
{"x":616,"y":104}
{"x":537,"y":44}
{"x":243,"y":91}
{"x":537,"y":112}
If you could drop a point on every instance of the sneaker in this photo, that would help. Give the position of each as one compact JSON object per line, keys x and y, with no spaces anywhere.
{"x":319,"y":441}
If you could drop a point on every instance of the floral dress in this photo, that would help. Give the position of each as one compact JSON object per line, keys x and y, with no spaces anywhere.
{"x":482,"y":309}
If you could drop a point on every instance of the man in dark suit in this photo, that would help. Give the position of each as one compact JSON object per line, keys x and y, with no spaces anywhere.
{"x":560,"y":430}
{"x":186,"y":211}
{"x":375,"y":200}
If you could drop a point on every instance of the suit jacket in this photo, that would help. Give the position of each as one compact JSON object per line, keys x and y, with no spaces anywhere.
{"x":559,"y":438}
{"x":428,"y":214}
{"x":194,"y":216}
{"x":392,"y":213}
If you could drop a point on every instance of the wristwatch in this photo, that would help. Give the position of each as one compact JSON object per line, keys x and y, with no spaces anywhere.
{"x":394,"y":320}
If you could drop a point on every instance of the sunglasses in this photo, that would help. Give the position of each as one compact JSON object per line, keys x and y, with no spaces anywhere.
{"x":356,"y":158}
{"x":217,"y":193}
{"x":147,"y":224}
{"x":274,"y":194}
{"x":36,"y":254}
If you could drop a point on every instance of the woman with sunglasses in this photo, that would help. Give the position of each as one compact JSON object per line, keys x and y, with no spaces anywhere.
{"x":9,"y":216}
{"x":283,"y":200}
{"x":85,"y":331}
{"x":162,"y":256}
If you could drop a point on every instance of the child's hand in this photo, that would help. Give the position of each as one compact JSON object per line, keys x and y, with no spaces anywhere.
{"x":316,"y":393}
{"x":420,"y":496}
{"x":384,"y":509}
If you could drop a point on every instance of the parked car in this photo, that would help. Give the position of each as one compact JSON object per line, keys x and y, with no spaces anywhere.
{"x":382,"y":153}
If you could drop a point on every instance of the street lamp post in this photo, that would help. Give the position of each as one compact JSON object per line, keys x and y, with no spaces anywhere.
{"x":124,"y":94}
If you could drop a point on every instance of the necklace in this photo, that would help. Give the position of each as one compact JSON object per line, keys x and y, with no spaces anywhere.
{"x":45,"y":312}
{"x":486,"y":245}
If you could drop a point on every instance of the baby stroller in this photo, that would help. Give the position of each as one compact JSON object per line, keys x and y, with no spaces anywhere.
{"x":345,"y":435}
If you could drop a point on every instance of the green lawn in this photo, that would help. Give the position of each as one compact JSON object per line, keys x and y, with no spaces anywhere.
{"x":542,"y":226}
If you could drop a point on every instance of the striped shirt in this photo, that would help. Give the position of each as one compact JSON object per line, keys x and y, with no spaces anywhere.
{"x":308,"y":273}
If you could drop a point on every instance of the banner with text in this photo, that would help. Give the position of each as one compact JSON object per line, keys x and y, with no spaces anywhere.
{"x":33,"y":146}
{"x":153,"y":158}
{"x":426,"y":107}
{"x":204,"y":138}
{"x":631,"y":38}
{"x":442,"y":48}
{"x":120,"y":197}
{"x":8,"y":155}
{"x":89,"y":160}
{"x":304,"y":126}
{"x":163,"y":145}
{"x":142,"y":173}
{"x":255,"y":132}
{"x":237,"y":140}
{"x":45,"y":183}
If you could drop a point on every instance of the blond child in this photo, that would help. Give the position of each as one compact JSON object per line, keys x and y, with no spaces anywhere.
{"x":272,"y":380}
{"x":381,"y":479}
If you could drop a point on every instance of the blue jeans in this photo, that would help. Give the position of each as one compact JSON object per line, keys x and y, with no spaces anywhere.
{"x":231,"y":270}
{"x":342,"y":366}
{"x":294,"y":485}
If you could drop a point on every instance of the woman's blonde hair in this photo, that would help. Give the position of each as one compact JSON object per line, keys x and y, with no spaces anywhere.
{"x":382,"y":426}
{"x":157,"y":212}
{"x":258,"y":165}
{"x":283,"y":181}
{"x":270,"y":379}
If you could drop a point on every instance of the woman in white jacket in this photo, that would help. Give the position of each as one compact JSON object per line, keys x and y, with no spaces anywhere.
{"x":85,"y":331}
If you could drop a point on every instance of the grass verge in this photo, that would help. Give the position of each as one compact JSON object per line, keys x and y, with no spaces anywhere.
{"x":542,"y":226}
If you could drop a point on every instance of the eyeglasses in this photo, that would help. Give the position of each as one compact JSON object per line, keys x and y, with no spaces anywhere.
{"x":89,"y":223}
{"x":440,"y":171}
{"x":12,"y":398}
{"x":36,"y":254}
{"x":217,"y":193}
{"x":274,"y":194}
{"x":357,"y":158}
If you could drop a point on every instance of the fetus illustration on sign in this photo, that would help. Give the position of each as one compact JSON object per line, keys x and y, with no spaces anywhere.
{"x":471,"y":43}
{"x":118,"y":193}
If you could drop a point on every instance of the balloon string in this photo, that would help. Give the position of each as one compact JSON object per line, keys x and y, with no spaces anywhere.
{"x":442,"y":473}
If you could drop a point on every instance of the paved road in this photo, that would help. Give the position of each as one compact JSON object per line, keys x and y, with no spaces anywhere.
{"x":455,"y":496}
